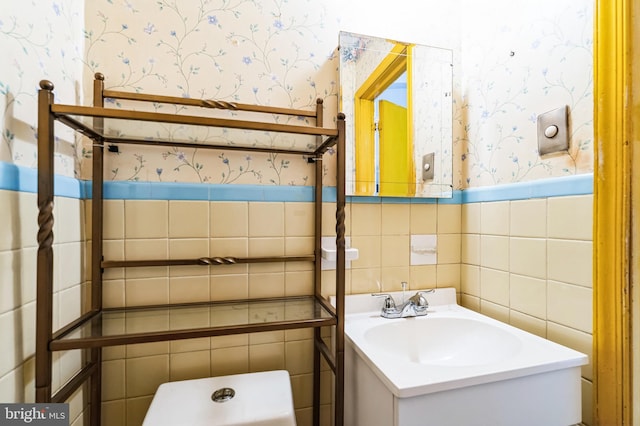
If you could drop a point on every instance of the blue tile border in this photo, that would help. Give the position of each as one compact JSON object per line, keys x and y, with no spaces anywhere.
{"x":544,"y":188}
{"x":24,"y":179}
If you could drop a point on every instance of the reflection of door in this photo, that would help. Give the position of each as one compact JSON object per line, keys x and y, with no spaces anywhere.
{"x":395,"y":161}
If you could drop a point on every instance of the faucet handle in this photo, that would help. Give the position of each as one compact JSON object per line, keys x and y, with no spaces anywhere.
{"x":419,"y":300}
{"x":389,"y":303}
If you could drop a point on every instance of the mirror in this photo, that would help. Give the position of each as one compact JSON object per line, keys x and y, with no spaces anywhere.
{"x":398,"y":101}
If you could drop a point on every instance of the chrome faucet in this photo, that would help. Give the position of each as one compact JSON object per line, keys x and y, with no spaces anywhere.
{"x":416,"y":306}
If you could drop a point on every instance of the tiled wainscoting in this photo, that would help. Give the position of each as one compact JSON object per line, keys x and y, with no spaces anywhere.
{"x":519,"y":253}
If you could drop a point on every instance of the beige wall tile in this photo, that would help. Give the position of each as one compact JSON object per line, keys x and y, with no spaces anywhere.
{"x":570,"y":261}
{"x":571,"y":217}
{"x":189,"y":289}
{"x":470,"y":250}
{"x":470,"y":302}
{"x":114,"y":352}
{"x":27,"y":221}
{"x":449,"y":218}
{"x":423,"y":276}
{"x":113,"y":380}
{"x":190,"y":345}
{"x":146,"y":291}
{"x":229,"y":219}
{"x":365,"y":219}
{"x":299,"y":356}
{"x":470,"y":280}
{"x":529,"y":295}
{"x":298,"y":334}
{"x":394,"y":250}
{"x":570,"y":305}
{"x":113,"y":413}
{"x":329,"y":219}
{"x":234,"y":247}
{"x":369,"y":248}
{"x":230,"y":341}
{"x":112,"y":250}
{"x":113,"y":219}
{"x":266,"y":357}
{"x":68,"y":220}
{"x":449,"y":248}
{"x":146,"y":219}
{"x":229,"y":287}
{"x":448,"y":276}
{"x":297,"y":246}
{"x":299,"y":219}
{"x":18,"y":327}
{"x":298,"y":283}
{"x":146,"y":349}
{"x":68,"y":266}
{"x":528,"y":256}
{"x":192,"y":248}
{"x":267,"y":336}
{"x":470,"y":222}
{"x":494,"y":286}
{"x":528,"y":323}
{"x":266,"y":219}
{"x":574,"y":339}
{"x":145,"y":250}
{"x":18,"y":220}
{"x":528,"y":218}
{"x":17,"y":278}
{"x":145,"y":374}
{"x":266,"y":247}
{"x":70,"y":301}
{"x":395,"y":219}
{"x":494,"y":252}
{"x":424,"y":218}
{"x":234,"y":360}
{"x":494,"y":218}
{"x":366,"y":280}
{"x":188,"y":219}
{"x":266,"y":285}
{"x":189,"y":365}
{"x":137,"y":408}
{"x":393,"y":277}
{"x":498,"y":312}
{"x":302,"y":391}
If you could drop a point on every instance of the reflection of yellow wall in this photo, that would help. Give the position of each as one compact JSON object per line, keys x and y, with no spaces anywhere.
{"x":391,"y":67}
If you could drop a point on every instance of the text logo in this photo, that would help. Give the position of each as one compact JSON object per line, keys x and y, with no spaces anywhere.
{"x":34,"y":414}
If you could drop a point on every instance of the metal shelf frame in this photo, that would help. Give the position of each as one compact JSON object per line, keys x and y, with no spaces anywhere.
{"x":86,"y":332}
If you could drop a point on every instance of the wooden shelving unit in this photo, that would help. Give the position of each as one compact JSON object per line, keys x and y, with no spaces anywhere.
{"x":100,"y":327}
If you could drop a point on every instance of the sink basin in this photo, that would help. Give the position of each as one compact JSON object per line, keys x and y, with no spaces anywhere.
{"x":444,"y":341}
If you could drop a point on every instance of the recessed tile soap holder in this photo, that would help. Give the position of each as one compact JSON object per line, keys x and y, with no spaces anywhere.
{"x":553,"y":134}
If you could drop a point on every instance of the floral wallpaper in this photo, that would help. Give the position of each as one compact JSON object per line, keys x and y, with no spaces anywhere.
{"x":512,"y":62}
{"x":531,"y":57}
{"x":39,"y":40}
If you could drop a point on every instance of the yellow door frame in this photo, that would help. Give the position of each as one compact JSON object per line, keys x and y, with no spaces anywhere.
{"x":388,"y":71}
{"x":614,"y":104}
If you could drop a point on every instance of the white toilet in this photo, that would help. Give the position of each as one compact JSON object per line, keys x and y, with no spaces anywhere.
{"x":259,"y":399}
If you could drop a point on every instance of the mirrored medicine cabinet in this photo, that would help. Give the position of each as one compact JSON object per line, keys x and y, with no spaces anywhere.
{"x":397,"y":98}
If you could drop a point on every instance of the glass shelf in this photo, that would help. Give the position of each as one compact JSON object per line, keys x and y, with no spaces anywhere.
{"x":160,"y":323}
{"x":294,"y":135}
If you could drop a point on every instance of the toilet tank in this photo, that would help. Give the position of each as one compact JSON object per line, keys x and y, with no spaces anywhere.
{"x":260,"y":399}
